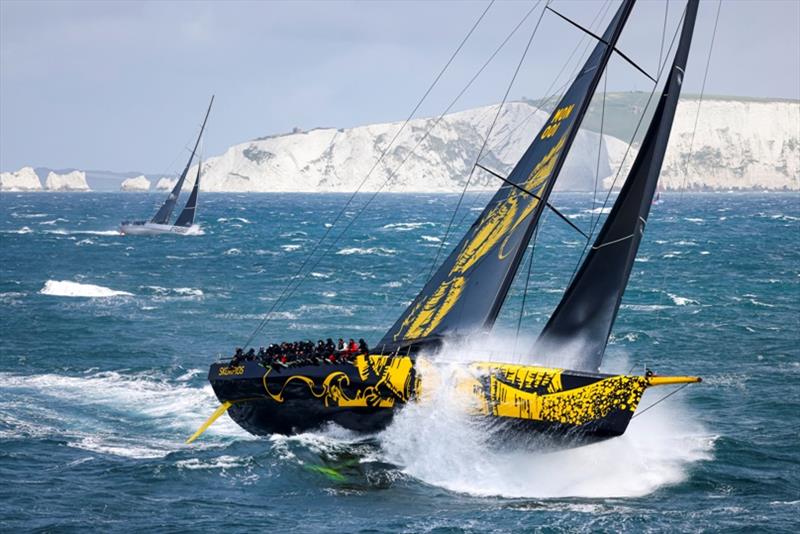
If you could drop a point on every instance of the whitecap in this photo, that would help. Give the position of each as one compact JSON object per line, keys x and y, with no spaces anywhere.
{"x":65,"y":288}
{"x":291,"y":248}
{"x":431,"y":239}
{"x":232,"y":252}
{"x":406,"y":227}
{"x":377,"y":251}
{"x":681,"y":301}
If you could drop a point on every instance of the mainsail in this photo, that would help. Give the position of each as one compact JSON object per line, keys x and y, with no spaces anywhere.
{"x":579,"y":328}
{"x":186,"y":218}
{"x":165,"y":211}
{"x":467,"y":291}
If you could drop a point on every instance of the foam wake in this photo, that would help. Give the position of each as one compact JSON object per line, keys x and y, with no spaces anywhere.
{"x":129,"y":415}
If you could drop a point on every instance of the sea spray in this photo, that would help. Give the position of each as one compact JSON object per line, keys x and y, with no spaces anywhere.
{"x":438,"y":443}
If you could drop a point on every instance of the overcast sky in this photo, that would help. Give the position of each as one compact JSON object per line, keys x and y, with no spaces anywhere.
{"x":123,"y":85}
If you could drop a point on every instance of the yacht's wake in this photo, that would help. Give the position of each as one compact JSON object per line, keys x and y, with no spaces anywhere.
{"x":130,"y":415}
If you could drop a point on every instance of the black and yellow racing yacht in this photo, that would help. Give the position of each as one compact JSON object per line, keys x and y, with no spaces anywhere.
{"x":464,"y":296}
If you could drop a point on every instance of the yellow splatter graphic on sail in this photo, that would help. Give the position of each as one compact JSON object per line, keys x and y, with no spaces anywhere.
{"x":499,"y":224}
{"x":430,"y":312}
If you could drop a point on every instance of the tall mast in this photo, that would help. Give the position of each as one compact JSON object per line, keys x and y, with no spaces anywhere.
{"x":579,"y":328}
{"x":467,"y":291}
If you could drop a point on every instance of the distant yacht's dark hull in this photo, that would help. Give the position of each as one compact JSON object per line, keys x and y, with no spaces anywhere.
{"x":363,"y":395}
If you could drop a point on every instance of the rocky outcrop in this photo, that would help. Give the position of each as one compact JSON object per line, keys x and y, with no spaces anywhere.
{"x":138,"y":184}
{"x":166,"y":184}
{"x":71,"y":181}
{"x":24,"y":179}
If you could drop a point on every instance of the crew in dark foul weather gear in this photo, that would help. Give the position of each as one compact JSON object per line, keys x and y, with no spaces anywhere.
{"x":362,"y":346}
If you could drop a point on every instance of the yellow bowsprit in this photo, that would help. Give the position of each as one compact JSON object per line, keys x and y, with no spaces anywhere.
{"x":214,"y":416}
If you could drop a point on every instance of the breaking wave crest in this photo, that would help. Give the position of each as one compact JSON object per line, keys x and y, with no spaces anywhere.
{"x":377,"y":251}
{"x":65,"y":288}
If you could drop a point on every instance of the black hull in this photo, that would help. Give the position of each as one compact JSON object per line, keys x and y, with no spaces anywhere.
{"x":537,"y":405}
{"x":263,"y":417}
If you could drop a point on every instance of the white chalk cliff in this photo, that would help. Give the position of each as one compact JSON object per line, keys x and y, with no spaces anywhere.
{"x":24,"y":179}
{"x":140,"y":183}
{"x":166,"y":184}
{"x":71,"y":181}
{"x":327,"y":159}
{"x":738,"y":144}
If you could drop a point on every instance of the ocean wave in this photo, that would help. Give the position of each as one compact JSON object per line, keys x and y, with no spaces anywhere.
{"x":54,"y":221}
{"x":127,"y":398}
{"x":61,"y":231}
{"x":406,"y":227}
{"x":28,"y":215}
{"x":291,"y":248}
{"x":175,"y":291}
{"x":430,"y":239}
{"x":220,"y":462}
{"x":376,"y":251}
{"x":232,"y":252}
{"x":681,"y":301}
{"x":320,"y":275}
{"x":345,"y":311}
{"x":22,"y":231}
{"x":65,"y":288}
{"x":228,"y":219}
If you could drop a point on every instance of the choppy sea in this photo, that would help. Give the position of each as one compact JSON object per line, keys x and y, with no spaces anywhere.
{"x":105,"y":342}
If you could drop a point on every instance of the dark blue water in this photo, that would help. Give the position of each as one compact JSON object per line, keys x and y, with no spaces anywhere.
{"x":99,"y":392}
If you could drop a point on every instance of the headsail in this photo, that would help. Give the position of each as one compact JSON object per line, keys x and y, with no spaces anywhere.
{"x":581,"y":324}
{"x":186,"y":218}
{"x":466,"y":292}
{"x":165,"y":211}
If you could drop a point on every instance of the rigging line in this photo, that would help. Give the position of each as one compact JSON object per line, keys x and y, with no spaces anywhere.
{"x":659,"y":401}
{"x":663,"y":36}
{"x":601,"y":12}
{"x":691,"y":140}
{"x":488,"y":135}
{"x":412,"y":286}
{"x":525,"y":293}
{"x":558,"y":92}
{"x":537,"y":197}
{"x":599,"y":152}
{"x":624,"y":158}
{"x":284,"y":295}
{"x":369,"y":173}
{"x":617,"y":50}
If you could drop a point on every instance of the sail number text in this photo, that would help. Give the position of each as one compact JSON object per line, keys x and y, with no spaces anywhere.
{"x":555,"y":121}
